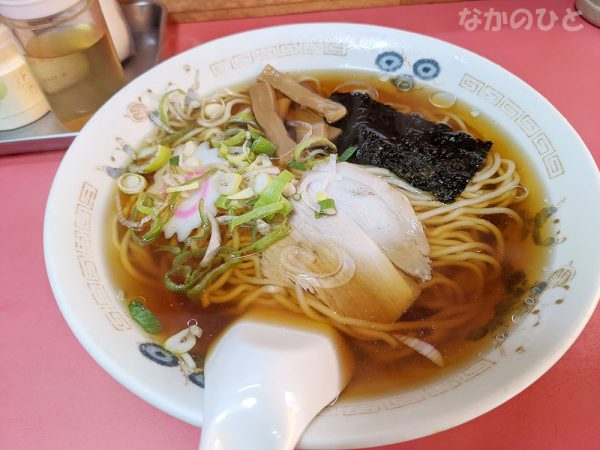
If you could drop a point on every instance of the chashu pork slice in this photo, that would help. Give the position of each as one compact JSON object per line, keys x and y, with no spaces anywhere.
{"x":381,"y":211}
{"x":333,"y":258}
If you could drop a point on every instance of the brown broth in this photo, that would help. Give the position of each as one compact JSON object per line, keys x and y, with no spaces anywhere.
{"x":372,"y":377}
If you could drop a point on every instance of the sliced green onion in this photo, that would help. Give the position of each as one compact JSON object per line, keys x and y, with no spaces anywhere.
{"x":151,"y":235}
{"x":227,"y":183}
{"x":260,"y":182}
{"x":183,"y":187}
{"x":152,"y":210}
{"x":144,"y":317}
{"x":147,"y":203}
{"x":157,"y":222}
{"x":287,"y":208}
{"x":209,"y":133}
{"x":182,"y":258}
{"x":263,"y":145}
{"x":195,"y":292}
{"x":326,"y":207}
{"x":228,"y":205}
{"x":322,"y":195}
{"x":154,"y":231}
{"x":206,"y":174}
{"x":222,"y":202}
{"x":230,"y":137}
{"x":242,"y":119}
{"x":203,"y":218}
{"x":170,"y":138}
{"x":255,"y":132}
{"x":243,"y":194}
{"x":174,"y":160}
{"x":295,"y":165}
{"x":183,"y":272}
{"x":242,"y":156}
{"x":266,"y":241}
{"x":159,"y":156}
{"x":172,"y":198}
{"x":167,"y":248}
{"x":348,"y":153}
{"x":256,"y":213}
{"x":163,"y":105}
{"x":223,"y":151}
{"x":274,"y":191}
{"x":309,"y":142}
{"x":233,"y":206}
{"x":131,"y":183}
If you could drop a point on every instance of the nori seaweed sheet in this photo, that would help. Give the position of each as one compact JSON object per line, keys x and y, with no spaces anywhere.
{"x":429,"y":156}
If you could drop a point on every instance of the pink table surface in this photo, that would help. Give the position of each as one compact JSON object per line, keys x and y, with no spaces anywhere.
{"x":54,"y":396}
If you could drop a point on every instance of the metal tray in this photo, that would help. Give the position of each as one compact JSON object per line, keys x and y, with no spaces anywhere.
{"x":147,"y":21}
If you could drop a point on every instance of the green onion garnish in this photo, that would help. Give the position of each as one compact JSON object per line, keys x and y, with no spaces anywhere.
{"x":348,"y":153}
{"x":222,"y":202}
{"x":167,"y":248}
{"x":257,"y":213}
{"x":263,"y":145}
{"x":154,"y":158}
{"x":170,"y":138}
{"x":163,"y":105}
{"x":255,"y":132}
{"x":231,"y":137}
{"x":206,"y":174}
{"x":266,"y":241}
{"x":242,"y":119}
{"x":144,"y":317}
{"x":198,"y":289}
{"x":310,"y":142}
{"x":295,"y":165}
{"x":182,"y":258}
{"x":273,"y":192}
{"x":181,"y":272}
{"x":326,"y":207}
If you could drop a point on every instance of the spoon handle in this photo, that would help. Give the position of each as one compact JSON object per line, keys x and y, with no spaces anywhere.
{"x":265,"y":383}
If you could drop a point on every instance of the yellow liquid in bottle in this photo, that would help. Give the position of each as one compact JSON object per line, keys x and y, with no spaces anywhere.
{"x":78,"y":70}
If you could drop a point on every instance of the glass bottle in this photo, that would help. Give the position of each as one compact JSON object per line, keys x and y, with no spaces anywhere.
{"x":70,"y":53}
{"x":21,"y":101}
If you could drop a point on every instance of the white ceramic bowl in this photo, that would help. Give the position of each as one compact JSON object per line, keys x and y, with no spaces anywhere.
{"x":81,"y":196}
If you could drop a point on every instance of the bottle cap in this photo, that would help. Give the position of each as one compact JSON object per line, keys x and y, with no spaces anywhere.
{"x":33,"y":9}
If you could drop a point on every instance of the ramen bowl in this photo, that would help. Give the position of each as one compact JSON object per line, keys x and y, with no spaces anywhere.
{"x":542,"y":325}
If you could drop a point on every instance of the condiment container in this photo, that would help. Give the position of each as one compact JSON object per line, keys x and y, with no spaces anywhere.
{"x":118,"y":28}
{"x":70,"y":53}
{"x":21,"y":101}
